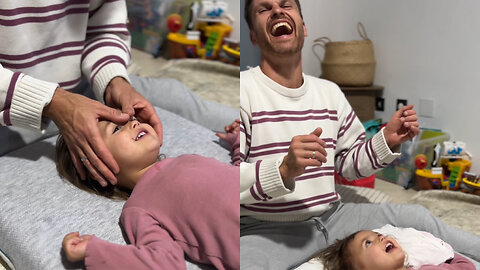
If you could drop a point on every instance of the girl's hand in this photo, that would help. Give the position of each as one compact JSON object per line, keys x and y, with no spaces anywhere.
{"x":75,"y":246}
{"x":230,"y":135}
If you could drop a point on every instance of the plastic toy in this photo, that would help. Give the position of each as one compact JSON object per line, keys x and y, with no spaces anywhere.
{"x":210,"y":25}
{"x":471,"y":183}
{"x":454,"y":165}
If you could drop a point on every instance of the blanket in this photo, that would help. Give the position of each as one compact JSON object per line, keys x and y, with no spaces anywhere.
{"x":212,"y":80}
{"x":452,"y":207}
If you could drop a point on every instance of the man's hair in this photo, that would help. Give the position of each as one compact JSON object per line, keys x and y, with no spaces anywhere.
{"x":337,"y":256}
{"x":248,"y":11}
{"x":67,"y":171}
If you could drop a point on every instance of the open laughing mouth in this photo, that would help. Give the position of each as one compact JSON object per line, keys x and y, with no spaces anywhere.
{"x":281,"y":28}
{"x":389,"y":247}
{"x":140,"y":135}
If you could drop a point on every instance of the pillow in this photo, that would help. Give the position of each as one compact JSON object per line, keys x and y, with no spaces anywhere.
{"x":419,"y":246}
{"x":39,"y":208}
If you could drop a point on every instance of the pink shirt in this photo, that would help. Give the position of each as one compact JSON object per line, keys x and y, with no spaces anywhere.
{"x":185,"y":205}
{"x":457,"y":263}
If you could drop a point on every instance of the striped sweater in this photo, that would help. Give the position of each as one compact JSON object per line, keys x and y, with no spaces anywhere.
{"x":271,"y":116}
{"x":50,"y":44}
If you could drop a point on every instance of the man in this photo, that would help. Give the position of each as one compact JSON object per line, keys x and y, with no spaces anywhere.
{"x":52,"y":54}
{"x":296,"y":131}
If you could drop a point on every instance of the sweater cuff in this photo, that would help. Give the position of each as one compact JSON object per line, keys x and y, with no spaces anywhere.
{"x":271,"y":180}
{"x":381,"y":149}
{"x":105,"y":75}
{"x":29,"y":99}
{"x":91,"y":254}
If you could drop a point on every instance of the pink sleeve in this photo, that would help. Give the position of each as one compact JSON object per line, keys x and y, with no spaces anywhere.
{"x":150,"y":246}
{"x":457,"y":263}
{"x":233,"y":139}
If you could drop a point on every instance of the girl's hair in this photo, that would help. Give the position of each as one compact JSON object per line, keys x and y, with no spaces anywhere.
{"x":337,"y":256}
{"x":67,"y":171}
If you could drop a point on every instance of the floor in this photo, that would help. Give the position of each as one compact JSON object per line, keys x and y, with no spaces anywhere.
{"x":396,"y":192}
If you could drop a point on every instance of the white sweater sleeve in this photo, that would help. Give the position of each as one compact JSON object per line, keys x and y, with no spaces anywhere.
{"x":22,"y":99}
{"x":107,"y":50}
{"x":355,"y":156}
{"x":259,"y":181}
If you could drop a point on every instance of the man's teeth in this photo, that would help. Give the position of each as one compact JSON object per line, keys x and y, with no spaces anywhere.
{"x":140,"y":135}
{"x":276,"y":26}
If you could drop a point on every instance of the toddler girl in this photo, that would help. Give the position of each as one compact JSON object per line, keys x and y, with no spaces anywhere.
{"x":184,"y":205}
{"x":370,"y":250}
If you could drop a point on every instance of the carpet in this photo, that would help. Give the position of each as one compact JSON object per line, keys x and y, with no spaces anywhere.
{"x":212,"y":80}
{"x":452,"y":207}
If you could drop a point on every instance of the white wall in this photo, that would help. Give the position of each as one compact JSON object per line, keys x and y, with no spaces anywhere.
{"x":427,"y":48}
{"x":234,"y":10}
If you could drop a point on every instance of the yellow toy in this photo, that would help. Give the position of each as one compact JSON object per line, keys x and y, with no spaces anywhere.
{"x":210,"y":25}
{"x":455,"y":168}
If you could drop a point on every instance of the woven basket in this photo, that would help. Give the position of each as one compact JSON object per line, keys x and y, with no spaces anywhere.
{"x":348,"y":63}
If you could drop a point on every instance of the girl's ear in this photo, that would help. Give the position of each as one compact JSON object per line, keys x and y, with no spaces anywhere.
{"x":304,"y":30}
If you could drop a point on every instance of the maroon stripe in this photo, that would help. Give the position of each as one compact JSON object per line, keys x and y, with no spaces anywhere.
{"x":313,"y":176}
{"x":101,"y":44}
{"x":293,"y":119}
{"x":280,"y":112}
{"x":107,"y":58}
{"x":318,"y":169}
{"x":301,"y":207}
{"x":11,"y":87}
{"x":100,"y":68}
{"x":355,"y":161}
{"x":302,"y":201}
{"x":6,"y":117}
{"x":266,"y":153}
{"x":257,"y":184}
{"x":369,"y":151}
{"x":106,"y":26}
{"x":32,"y":54}
{"x":96,"y":33}
{"x":41,"y":60}
{"x":100,"y":7}
{"x":269,"y":145}
{"x":71,"y":83}
{"x":21,"y":10}
{"x":254,"y":195}
{"x":118,"y":40}
{"x":43,"y":19}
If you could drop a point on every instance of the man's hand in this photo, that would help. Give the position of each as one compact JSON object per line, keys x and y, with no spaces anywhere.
{"x":120,"y":94}
{"x":77,"y":118}
{"x":75,"y":246}
{"x":403,"y":126}
{"x":305,"y":150}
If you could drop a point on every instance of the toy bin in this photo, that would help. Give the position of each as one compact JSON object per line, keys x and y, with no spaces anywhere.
{"x":402,"y":170}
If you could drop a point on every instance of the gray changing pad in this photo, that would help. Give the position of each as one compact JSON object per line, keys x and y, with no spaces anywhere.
{"x":38,"y":208}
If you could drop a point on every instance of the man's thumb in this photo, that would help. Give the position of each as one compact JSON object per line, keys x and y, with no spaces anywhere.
{"x":317,"y":132}
{"x":115,"y":115}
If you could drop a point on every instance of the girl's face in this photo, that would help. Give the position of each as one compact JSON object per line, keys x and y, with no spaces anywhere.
{"x":134,"y":145}
{"x":373,"y":251}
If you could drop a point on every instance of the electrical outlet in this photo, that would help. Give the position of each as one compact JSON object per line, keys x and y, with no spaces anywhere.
{"x":401,"y":103}
{"x":426,"y":108}
{"x":380,"y":104}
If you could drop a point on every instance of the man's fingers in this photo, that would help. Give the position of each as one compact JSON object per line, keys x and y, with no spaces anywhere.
{"x":317,"y":132}
{"x":102,"y":159}
{"x":75,"y":156}
{"x":114,"y":115}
